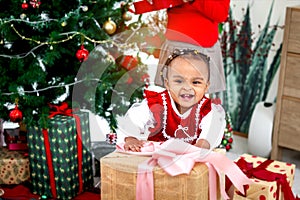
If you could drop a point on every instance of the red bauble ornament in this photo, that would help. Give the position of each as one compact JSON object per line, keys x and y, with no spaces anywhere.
{"x":228,"y":147}
{"x":129,"y":62}
{"x":16,"y":115}
{"x":24,"y":5}
{"x":230,"y":140}
{"x":82,"y":54}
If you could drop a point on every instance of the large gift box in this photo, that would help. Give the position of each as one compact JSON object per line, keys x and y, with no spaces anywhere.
{"x":119,"y":175}
{"x":60,"y":156}
{"x":272,"y":179}
{"x":14,"y":166}
{"x":170,"y":170}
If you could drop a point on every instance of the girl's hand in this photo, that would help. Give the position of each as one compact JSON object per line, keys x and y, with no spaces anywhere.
{"x":202,"y":143}
{"x":133,"y":144}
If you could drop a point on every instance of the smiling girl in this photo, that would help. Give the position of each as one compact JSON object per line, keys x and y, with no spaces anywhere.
{"x":180,"y":110}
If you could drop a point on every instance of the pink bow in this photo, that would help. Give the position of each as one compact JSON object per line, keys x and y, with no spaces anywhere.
{"x":177,"y":157}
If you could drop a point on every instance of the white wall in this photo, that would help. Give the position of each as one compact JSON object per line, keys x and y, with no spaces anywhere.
{"x":259,"y":10}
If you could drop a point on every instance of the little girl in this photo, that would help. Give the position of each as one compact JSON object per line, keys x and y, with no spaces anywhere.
{"x":180,"y":110}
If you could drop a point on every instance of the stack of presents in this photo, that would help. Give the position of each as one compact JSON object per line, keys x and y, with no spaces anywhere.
{"x":248,"y":177}
{"x":58,"y":162}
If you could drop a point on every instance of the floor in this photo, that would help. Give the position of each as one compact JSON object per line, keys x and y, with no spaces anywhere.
{"x":240,"y":146}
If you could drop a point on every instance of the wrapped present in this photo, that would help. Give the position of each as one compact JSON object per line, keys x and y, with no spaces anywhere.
{"x":15,"y":137}
{"x":119,"y":174}
{"x":14,"y":166}
{"x":272,"y":179}
{"x":165,"y":174}
{"x":100,"y":149}
{"x":60,"y":156}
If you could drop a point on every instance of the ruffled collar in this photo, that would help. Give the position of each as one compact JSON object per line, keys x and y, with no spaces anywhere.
{"x":182,"y":116}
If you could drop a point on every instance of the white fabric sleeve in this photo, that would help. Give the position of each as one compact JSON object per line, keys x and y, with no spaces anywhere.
{"x":213,"y":126}
{"x":136,"y":121}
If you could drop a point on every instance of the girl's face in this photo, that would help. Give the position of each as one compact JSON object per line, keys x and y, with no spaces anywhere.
{"x":187,"y":81}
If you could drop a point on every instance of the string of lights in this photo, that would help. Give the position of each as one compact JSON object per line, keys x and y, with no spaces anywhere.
{"x":74,"y":33}
{"x":23,"y":55}
{"x":44,"y":20}
{"x":70,"y":36}
{"x":51,"y":87}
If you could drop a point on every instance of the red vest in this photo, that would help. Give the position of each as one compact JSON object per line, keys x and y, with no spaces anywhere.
{"x":168,"y":124}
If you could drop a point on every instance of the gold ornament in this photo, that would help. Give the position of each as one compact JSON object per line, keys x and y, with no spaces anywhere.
{"x":110,"y":27}
{"x":22,"y":16}
{"x":127,"y":16}
{"x":64,"y":23}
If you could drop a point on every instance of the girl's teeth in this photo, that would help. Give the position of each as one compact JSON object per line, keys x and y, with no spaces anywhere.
{"x":186,"y":95}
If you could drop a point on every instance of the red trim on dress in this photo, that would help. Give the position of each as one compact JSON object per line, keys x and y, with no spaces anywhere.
{"x":155,"y":103}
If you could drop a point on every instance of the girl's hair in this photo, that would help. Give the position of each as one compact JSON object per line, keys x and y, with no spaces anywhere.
{"x":195,"y":54}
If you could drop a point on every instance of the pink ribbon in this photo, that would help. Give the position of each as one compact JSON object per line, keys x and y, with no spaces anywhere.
{"x":177,"y":157}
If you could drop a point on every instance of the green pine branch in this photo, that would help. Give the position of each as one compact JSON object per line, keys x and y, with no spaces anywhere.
{"x":39,"y":52}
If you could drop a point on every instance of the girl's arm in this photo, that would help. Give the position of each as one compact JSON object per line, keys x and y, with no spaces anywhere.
{"x":133,"y":126}
{"x":213,"y":126}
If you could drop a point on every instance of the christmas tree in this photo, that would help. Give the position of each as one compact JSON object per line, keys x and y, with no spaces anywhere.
{"x":73,"y":51}
{"x":227,"y":139}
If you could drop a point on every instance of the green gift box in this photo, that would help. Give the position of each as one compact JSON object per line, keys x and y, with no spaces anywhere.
{"x":58,"y":168}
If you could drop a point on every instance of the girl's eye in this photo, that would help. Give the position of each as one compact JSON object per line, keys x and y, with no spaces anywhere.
{"x":178,"y":81}
{"x":197,"y":82}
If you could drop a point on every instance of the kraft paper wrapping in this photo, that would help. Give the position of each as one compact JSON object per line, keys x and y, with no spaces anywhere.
{"x":119,"y":172}
{"x":14,"y":167}
{"x":263,"y":189}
